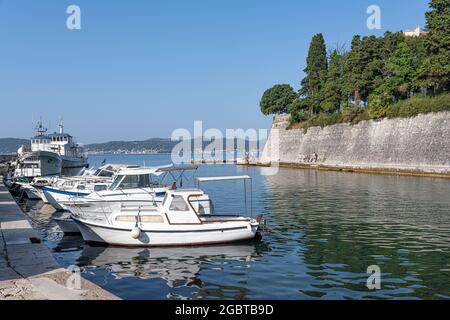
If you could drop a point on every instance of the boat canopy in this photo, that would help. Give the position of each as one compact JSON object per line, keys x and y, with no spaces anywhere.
{"x":207,"y":179}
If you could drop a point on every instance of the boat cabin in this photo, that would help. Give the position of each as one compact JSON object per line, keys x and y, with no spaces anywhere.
{"x":136,"y":178}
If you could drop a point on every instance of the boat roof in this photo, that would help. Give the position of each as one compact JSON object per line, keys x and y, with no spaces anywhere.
{"x":141,"y":171}
{"x":155,"y":170}
{"x":226,"y":178}
{"x":45,"y":137}
{"x":116,"y":166}
{"x":184,"y":191}
{"x":55,"y":134}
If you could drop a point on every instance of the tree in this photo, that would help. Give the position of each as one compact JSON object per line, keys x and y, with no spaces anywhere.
{"x":401,"y":64}
{"x":353,"y":70}
{"x":299,"y":110}
{"x":277,"y":99}
{"x":332,"y":90}
{"x":316,"y":69}
{"x":435,"y":72}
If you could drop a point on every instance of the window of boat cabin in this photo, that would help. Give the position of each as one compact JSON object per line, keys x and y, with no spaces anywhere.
{"x":135,"y":181}
{"x":104,"y":173}
{"x":178,"y":204}
{"x":116,"y":182}
{"x":100,"y":187}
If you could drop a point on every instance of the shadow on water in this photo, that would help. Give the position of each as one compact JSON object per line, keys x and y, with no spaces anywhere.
{"x":328,"y":228}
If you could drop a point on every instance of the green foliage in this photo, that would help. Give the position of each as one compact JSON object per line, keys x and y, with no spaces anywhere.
{"x":417,"y":105}
{"x":277,"y":99}
{"x":435,"y":71}
{"x":299,"y":110}
{"x":378,"y":77}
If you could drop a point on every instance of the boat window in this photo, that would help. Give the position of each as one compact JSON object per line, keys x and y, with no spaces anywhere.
{"x":135,"y":181}
{"x":81,"y":187}
{"x":178,"y":204}
{"x":100,"y":187}
{"x":116,"y":182}
{"x":104,"y":173}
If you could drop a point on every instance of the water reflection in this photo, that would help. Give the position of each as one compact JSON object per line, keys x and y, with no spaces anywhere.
{"x":347,"y":222}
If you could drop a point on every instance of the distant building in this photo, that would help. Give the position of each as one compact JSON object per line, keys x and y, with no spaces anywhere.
{"x":417,"y":32}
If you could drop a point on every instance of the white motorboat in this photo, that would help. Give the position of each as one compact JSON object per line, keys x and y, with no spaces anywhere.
{"x":177,"y":221}
{"x":134,"y":186}
{"x":64,"y":189}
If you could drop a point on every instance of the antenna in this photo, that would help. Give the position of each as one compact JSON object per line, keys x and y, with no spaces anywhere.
{"x":61,"y":125}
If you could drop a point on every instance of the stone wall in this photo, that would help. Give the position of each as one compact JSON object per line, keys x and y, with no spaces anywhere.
{"x":419,"y":144}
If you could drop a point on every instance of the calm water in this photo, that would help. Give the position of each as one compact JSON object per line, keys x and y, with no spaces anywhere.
{"x":327,"y":229}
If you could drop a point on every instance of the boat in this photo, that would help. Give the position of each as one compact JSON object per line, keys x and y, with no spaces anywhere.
{"x":72,"y":154}
{"x":133,"y":187}
{"x":63,"y":190}
{"x":53,"y":154}
{"x":177,"y":221}
{"x":39,"y":159}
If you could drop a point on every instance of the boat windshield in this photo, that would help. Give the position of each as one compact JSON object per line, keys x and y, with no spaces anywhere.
{"x":104,"y":173}
{"x":131,"y":182}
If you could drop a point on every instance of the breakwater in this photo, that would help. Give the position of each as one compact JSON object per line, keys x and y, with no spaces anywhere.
{"x":418,"y":146}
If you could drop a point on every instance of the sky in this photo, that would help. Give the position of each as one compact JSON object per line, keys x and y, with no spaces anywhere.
{"x":141,"y":69}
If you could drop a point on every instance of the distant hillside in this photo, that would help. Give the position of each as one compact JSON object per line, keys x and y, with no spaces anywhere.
{"x":10,"y":145}
{"x":157,"y":145}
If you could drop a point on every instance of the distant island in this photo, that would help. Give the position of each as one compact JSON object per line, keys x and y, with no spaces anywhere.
{"x":149,"y":146}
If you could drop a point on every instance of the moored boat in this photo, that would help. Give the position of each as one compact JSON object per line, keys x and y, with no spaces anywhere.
{"x":175,"y":222}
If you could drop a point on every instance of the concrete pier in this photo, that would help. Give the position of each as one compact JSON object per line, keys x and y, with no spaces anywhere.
{"x":28,"y":270}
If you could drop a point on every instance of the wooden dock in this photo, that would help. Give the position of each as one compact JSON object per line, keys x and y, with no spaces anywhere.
{"x":28,"y":270}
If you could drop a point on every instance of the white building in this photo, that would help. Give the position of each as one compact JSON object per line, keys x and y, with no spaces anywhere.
{"x":415,"y":32}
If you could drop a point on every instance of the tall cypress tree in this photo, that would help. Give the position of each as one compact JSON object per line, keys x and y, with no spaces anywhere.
{"x":353,"y":70}
{"x":316,"y":69}
{"x":332,"y":90}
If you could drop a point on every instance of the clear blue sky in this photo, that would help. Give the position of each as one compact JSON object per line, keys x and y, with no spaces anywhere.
{"x":139,"y":69}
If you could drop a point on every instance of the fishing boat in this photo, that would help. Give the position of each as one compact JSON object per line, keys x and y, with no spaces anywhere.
{"x":177,"y":221}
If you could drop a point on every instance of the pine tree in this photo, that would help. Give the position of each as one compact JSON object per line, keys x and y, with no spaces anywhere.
{"x":277,"y":99}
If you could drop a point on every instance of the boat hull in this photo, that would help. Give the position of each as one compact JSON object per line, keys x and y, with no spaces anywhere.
{"x":57,"y":198}
{"x":73,"y":166}
{"x":39,"y":164}
{"x":67,"y":225}
{"x":31,"y":193}
{"x":178,"y":236}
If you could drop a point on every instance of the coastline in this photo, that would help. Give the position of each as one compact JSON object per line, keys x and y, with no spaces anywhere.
{"x":357,"y":169}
